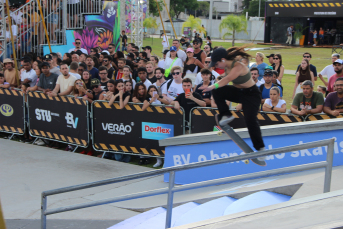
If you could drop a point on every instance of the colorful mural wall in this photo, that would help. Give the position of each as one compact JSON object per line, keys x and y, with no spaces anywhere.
{"x":128,"y":14}
{"x":101,"y":30}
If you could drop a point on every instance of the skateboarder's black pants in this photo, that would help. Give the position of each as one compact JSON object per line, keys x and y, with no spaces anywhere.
{"x":250,"y":98}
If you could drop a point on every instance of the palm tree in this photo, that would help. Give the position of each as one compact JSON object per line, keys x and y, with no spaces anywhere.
{"x":193,"y":23}
{"x":235,"y":24}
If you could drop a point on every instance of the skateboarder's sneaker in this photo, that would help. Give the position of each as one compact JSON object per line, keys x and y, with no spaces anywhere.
{"x":262,"y":158}
{"x":226,"y":119}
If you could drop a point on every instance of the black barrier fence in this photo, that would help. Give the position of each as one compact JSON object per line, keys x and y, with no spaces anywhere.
{"x":202,"y":119}
{"x":133,"y":131}
{"x":62,"y":119}
{"x":12,"y":112}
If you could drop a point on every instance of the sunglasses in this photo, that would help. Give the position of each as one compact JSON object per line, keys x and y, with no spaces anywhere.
{"x":276,"y":58}
{"x":105,"y":60}
{"x":207,"y":62}
{"x":307,"y":57}
{"x":80,"y":84}
{"x":176,"y":73}
{"x":77,"y":43}
{"x":95,"y":87}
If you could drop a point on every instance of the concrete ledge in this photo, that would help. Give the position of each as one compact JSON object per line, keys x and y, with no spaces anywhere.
{"x":281,"y":129}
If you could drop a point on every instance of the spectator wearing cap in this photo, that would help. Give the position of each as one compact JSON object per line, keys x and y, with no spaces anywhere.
{"x":268,"y":84}
{"x":97,"y":91}
{"x":64,"y":84}
{"x":329,"y":70}
{"x":260,"y":65}
{"x":90,"y":67}
{"x":271,"y":59}
{"x":28,"y":75}
{"x":303,"y":73}
{"x":123,"y":41}
{"x":52,"y":60}
{"x":172,"y":61}
{"x":333,"y":104}
{"x":313,"y":68}
{"x":74,"y":66}
{"x":143,"y":74}
{"x":308,"y":101}
{"x":180,"y":53}
{"x":130,"y":56}
{"x":148,"y":50}
{"x":207,"y":80}
{"x":10,"y":73}
{"x":161,"y":61}
{"x":198,"y":53}
{"x":198,"y":78}
{"x":338,"y":68}
{"x":78,"y":47}
{"x":192,"y":65}
{"x":47,"y":80}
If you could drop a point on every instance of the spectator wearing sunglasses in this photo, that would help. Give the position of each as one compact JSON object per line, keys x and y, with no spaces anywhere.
{"x":173,"y":86}
{"x":308,"y":56}
{"x":198,"y":78}
{"x":106,"y":62}
{"x":78,"y":47}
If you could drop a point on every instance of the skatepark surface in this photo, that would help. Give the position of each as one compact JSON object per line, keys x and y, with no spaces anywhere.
{"x":27,"y":170}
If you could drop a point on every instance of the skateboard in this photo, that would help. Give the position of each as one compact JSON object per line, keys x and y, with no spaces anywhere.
{"x":239,"y":141}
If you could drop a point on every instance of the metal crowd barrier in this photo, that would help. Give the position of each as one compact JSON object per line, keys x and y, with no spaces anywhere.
{"x":132,"y":138}
{"x":172,"y":170}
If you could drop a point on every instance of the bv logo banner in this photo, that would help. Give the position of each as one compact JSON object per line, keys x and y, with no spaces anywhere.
{"x":157,"y":131}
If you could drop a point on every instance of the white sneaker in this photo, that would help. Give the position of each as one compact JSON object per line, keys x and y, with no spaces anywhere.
{"x":158,"y":163}
{"x":262,"y":158}
{"x":226,"y":120}
{"x":40,"y":142}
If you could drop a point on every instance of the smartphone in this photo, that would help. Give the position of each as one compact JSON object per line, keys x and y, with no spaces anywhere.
{"x":154,"y":93}
{"x":187,"y":91}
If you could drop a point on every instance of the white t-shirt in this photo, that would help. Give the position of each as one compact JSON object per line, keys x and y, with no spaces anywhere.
{"x":160,"y":64}
{"x":198,"y":78}
{"x":14,"y":31}
{"x":31,"y":75}
{"x":147,"y":83}
{"x":328,"y":71}
{"x":169,"y":61}
{"x":65,"y":83}
{"x":180,"y":54}
{"x":165,"y":41}
{"x":17,"y":17}
{"x":279,"y":105}
{"x":82,"y":50}
{"x":73,"y":1}
{"x":77,"y":76}
{"x":258,"y":83}
{"x":174,"y":89}
{"x":133,"y":82}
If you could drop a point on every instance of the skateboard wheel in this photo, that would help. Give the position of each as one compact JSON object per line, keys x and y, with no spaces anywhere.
{"x":219,"y":133}
{"x":246,"y":161}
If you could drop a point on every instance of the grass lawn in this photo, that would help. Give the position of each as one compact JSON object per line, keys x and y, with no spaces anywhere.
{"x":291,"y":58}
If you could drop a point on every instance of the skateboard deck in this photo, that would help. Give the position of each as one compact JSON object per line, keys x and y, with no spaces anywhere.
{"x":240,"y":142}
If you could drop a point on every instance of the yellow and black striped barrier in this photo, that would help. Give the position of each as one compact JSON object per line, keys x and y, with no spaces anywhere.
{"x":202,"y":119}
{"x":133,"y":131}
{"x":63,"y":119}
{"x":12,"y":111}
{"x":306,"y":5}
{"x":316,"y":117}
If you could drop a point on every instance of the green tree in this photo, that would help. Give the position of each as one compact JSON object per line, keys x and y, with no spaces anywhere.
{"x":204,"y":8}
{"x":194,"y":23}
{"x":150,"y":23}
{"x":179,"y":6}
{"x":235,"y":24}
{"x":252,"y":7}
{"x":153,"y":7}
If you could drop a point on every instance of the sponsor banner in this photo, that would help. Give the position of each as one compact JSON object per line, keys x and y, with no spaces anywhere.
{"x":202,"y":119}
{"x":133,"y":131}
{"x":59,"y":118}
{"x":11,"y":111}
{"x":304,"y":9}
{"x":186,"y":154}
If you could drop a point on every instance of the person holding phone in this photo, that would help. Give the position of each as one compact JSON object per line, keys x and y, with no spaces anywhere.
{"x":188,"y":100}
{"x":153,"y":98}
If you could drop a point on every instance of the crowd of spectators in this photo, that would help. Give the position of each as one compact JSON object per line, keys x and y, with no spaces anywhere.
{"x":139,"y":76}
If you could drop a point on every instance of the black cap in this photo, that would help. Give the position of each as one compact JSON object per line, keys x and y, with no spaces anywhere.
{"x":44,"y":64}
{"x":165,"y":51}
{"x":271,"y":55}
{"x":196,"y":41}
{"x":217,"y":55}
{"x":79,"y":52}
{"x":182,"y":40}
{"x":147,"y":47}
{"x":47,"y":57}
{"x":268,"y":72}
{"x":131,"y":55}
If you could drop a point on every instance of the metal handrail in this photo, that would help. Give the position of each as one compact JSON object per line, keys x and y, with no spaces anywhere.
{"x":171,"y":170}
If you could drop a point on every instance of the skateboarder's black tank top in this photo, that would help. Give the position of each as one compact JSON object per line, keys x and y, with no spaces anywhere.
{"x":241,"y":79}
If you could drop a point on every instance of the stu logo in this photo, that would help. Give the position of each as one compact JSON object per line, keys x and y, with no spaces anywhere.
{"x":70,"y":120}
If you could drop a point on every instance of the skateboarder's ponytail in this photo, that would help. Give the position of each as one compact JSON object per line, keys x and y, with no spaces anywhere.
{"x":233,"y":52}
